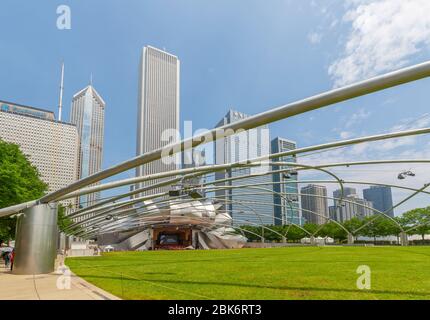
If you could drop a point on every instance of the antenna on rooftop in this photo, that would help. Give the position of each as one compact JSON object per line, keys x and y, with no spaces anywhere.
{"x":60,"y":103}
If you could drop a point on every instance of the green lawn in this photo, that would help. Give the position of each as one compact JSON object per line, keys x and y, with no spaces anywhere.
{"x":282,"y":273}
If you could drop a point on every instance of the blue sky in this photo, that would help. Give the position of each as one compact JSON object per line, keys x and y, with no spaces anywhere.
{"x":249,"y":55}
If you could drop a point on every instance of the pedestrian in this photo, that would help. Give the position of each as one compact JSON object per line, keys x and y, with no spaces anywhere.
{"x":6,"y":259}
{"x":12,"y":258}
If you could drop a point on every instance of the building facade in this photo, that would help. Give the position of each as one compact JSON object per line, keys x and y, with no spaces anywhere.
{"x":88,"y":111}
{"x":158,"y":111}
{"x":314,"y":204}
{"x":194,"y":158}
{"x":51,"y":146}
{"x":352,"y":207}
{"x":286,"y":191}
{"x":253,"y":204}
{"x":381,"y":197}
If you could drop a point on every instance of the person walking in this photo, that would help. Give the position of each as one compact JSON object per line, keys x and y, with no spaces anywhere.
{"x":6,"y":257}
{"x":12,"y":258}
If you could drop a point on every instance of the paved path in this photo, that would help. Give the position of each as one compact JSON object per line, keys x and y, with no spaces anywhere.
{"x":44,"y":287}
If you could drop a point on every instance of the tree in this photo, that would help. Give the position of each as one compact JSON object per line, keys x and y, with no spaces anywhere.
{"x":63,"y":220}
{"x":353,"y":224}
{"x":332,"y":230}
{"x":19,"y":182}
{"x":379,"y":226}
{"x":294,"y":233}
{"x":254,"y":233}
{"x":311,"y":227}
{"x":417,"y":217}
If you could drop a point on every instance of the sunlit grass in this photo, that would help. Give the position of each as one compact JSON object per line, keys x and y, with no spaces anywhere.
{"x":281,"y":273}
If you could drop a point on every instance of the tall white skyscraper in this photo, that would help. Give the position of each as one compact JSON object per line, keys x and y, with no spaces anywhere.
{"x":158,"y":109}
{"x":88,"y":112}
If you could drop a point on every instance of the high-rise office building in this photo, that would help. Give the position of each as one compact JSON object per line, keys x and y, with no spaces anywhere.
{"x":249,"y":205}
{"x":158,"y":110}
{"x":194,"y":158}
{"x":88,"y":111}
{"x":335,"y":211}
{"x":347,"y":191}
{"x":381,"y":197}
{"x":364,"y":208}
{"x":51,"y":146}
{"x":314,"y":204}
{"x":285,"y":187}
{"x":352,"y":207}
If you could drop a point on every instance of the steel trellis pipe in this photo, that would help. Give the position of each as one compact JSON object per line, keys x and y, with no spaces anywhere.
{"x":362,"y":88}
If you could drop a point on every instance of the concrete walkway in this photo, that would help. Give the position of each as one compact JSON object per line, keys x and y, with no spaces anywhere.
{"x":44,"y":287}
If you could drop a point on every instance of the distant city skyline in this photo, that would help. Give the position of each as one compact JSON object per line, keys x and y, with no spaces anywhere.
{"x":263,"y":58}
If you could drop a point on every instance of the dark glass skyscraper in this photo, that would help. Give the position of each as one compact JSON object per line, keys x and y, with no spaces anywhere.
{"x":381,"y":198}
{"x":285,"y":187}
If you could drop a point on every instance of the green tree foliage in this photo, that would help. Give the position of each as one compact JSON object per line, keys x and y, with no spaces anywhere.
{"x":254,"y":233}
{"x":332,"y":230}
{"x":293,"y":233}
{"x":19,"y":182}
{"x":419,"y":216}
{"x":374,"y":226}
{"x":311,"y":227}
{"x":353,"y":224}
{"x":63,"y":220}
{"x":379,"y":226}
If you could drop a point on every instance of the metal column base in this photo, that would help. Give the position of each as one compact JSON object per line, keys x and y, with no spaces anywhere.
{"x":404,"y":239}
{"x":36,"y":240}
{"x":350,"y":239}
{"x":61,"y":246}
{"x":312,"y":241}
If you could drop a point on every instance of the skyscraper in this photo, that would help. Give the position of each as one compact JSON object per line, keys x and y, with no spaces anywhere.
{"x":158,"y":109}
{"x":381,"y":198}
{"x":247,"y":205}
{"x":286,"y":207}
{"x":88,"y":112}
{"x":51,"y":146}
{"x":314,"y":200}
{"x":347,"y":191}
{"x":353,"y":207}
{"x":194,"y":158}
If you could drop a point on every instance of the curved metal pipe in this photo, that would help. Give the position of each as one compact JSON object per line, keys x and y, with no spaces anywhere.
{"x":362,"y":88}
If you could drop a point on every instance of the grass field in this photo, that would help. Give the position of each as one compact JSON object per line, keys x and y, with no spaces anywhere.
{"x":282,"y":273}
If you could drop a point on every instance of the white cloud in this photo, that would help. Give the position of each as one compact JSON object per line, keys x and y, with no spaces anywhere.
{"x":385,"y":35}
{"x":346,"y":134}
{"x":314,"y":37}
{"x":357,"y":118}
